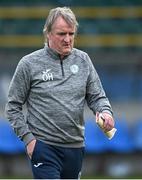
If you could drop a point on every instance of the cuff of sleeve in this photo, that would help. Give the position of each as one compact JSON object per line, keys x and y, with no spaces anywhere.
{"x":28,"y":138}
{"x":107,"y":111}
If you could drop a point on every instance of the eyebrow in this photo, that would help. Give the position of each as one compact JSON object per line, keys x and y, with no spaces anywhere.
{"x":64,"y":33}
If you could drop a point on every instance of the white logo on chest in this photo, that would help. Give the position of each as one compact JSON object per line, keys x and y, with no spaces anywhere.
{"x":47,"y":75}
{"x":74,"y":68}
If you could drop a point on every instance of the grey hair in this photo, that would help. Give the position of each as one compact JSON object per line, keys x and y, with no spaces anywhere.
{"x":64,"y":12}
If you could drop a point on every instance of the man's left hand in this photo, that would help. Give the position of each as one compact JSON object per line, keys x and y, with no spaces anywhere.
{"x":108,"y":121}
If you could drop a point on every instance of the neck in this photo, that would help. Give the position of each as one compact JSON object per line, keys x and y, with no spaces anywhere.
{"x":61,"y":56}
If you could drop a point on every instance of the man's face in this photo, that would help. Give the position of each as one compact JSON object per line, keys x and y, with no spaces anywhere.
{"x":61,"y":37}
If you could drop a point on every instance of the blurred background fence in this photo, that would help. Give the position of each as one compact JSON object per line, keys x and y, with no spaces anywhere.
{"x":110,"y":32}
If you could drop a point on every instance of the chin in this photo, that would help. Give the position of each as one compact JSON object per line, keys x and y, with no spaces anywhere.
{"x":67,"y":51}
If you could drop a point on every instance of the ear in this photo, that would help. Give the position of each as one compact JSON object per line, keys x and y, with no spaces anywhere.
{"x":48,"y":35}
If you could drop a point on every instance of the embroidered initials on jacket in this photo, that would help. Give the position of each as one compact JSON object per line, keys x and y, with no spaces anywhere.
{"x":47,"y":75}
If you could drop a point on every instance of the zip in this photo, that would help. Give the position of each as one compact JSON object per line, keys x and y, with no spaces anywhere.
{"x":62,"y":67}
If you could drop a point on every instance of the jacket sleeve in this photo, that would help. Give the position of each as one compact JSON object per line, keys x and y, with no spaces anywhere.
{"x":18,"y":93}
{"x":95,"y":94}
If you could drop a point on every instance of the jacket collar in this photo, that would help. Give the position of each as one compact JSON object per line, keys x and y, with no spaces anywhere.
{"x":54,"y":54}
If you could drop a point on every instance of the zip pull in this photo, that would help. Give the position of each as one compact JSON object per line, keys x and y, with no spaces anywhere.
{"x":62,"y":67}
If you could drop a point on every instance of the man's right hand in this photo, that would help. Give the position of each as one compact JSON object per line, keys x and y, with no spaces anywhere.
{"x":30,"y":148}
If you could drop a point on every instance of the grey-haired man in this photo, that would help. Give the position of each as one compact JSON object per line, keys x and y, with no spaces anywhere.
{"x":55,"y":82}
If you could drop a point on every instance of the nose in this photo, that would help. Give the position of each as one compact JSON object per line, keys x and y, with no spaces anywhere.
{"x":67,"y":38}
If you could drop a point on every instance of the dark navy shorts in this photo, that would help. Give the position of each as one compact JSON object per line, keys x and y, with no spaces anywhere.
{"x":54,"y":162}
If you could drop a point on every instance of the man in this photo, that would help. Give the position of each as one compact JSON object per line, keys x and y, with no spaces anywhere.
{"x":55,"y":82}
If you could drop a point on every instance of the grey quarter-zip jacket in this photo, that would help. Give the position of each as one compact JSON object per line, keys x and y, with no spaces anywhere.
{"x":54,"y":92}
